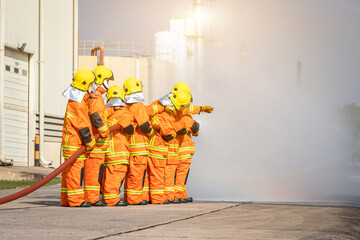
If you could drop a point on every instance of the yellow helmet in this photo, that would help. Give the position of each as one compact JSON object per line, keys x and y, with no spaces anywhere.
{"x":115,"y":92}
{"x":83,"y":78}
{"x":180,"y":100}
{"x":103,"y":73}
{"x":132,"y":85}
{"x":182,"y":87}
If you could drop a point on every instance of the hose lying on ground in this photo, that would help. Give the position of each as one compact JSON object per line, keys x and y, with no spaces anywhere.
{"x":53,"y":174}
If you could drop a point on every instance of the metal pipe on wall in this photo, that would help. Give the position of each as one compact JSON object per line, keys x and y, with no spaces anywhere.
{"x":76,"y":36}
{"x":41,"y":83}
{"x":94,"y":50}
{"x":2,"y":51}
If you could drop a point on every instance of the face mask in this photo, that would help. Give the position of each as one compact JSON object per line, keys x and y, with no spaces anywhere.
{"x":134,"y":98}
{"x":114,"y":102}
{"x":165,"y":100}
{"x":92,"y":87}
{"x":74,"y":94}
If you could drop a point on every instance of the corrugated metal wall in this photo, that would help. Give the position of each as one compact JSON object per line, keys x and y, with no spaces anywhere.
{"x":22,"y":24}
{"x":58,"y":39}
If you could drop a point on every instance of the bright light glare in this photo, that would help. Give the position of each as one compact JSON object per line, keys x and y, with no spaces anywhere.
{"x":201,"y":16}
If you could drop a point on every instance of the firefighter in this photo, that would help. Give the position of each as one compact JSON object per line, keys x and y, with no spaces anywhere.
{"x":180,"y":100}
{"x":185,"y":127}
{"x":139,"y":142}
{"x":117,"y":160}
{"x":186,"y":151}
{"x":76,"y":131}
{"x":160,"y":149}
{"x":96,"y":157}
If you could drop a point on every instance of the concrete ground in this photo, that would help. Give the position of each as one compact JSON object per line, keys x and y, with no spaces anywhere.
{"x":40,"y":216}
{"x":24,"y":173}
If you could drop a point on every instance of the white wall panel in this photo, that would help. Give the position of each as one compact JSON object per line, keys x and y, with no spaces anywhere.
{"x":58,"y":56}
{"x":22,"y":24}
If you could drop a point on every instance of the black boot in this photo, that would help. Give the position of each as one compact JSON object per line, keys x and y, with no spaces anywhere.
{"x":183,"y":200}
{"x":122,"y":204}
{"x":176,"y":201}
{"x":85,"y":204}
{"x":190,"y":199}
{"x":100,"y":204}
{"x":167,"y":201}
{"x":143,"y":202}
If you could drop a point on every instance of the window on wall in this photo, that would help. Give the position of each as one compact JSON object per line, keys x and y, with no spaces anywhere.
{"x":7,"y":68}
{"x":16,"y":70}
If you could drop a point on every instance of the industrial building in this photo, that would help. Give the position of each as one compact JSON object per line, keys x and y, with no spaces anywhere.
{"x":40,"y":51}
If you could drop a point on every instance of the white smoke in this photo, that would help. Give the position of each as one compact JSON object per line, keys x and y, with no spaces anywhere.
{"x":277,"y":73}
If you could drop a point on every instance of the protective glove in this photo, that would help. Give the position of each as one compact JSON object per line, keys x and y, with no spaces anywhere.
{"x":129,"y":129}
{"x":207,"y":109}
{"x":167,"y":137}
{"x":195,"y":128}
{"x":170,"y":109}
{"x":181,"y":131}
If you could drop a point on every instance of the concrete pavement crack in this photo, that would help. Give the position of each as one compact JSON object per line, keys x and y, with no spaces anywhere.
{"x":168,"y":222}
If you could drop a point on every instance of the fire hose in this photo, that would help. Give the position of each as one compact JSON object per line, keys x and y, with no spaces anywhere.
{"x":54,"y":173}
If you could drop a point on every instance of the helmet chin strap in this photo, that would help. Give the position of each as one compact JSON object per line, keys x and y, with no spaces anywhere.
{"x":106,"y":84}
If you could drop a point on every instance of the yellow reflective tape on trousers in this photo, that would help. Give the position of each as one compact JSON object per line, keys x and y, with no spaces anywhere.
{"x":94,"y":188}
{"x":179,"y":188}
{"x":110,"y":196}
{"x":161,"y":191}
{"x":169,"y":189}
{"x":74,"y":192}
{"x":63,"y":190}
{"x":133,"y":192}
{"x":185,"y":156}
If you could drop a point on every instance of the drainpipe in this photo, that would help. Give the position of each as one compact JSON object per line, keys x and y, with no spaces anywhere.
{"x":94,"y":50}
{"x":2,"y":50}
{"x":76,"y":37}
{"x":41,"y":62}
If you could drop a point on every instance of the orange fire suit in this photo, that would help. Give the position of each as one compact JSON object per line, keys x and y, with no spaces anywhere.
{"x":186,"y":149}
{"x":170,"y":169}
{"x":76,"y":131}
{"x":117,"y":160}
{"x":158,"y":153}
{"x":96,"y":157}
{"x":139,"y":150}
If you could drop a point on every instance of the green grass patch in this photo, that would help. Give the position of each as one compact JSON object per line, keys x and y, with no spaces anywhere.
{"x":15,"y":184}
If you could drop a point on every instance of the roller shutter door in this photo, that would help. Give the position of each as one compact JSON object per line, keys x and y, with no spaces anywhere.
{"x":16,"y":103}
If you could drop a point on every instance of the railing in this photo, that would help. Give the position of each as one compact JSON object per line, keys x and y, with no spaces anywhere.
{"x":128,"y":49}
